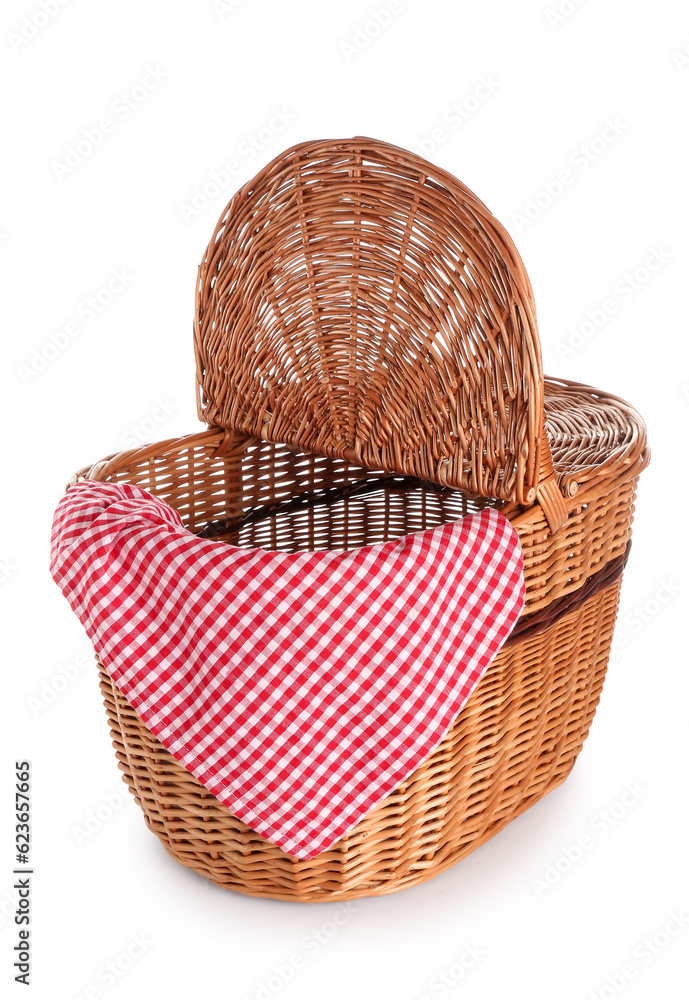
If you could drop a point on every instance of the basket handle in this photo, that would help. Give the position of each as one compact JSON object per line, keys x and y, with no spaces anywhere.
{"x":355,"y":301}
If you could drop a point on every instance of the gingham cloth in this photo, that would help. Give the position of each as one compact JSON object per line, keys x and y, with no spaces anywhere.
{"x":299,"y":688}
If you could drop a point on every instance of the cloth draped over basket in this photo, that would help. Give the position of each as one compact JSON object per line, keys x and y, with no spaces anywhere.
{"x":300,"y":688}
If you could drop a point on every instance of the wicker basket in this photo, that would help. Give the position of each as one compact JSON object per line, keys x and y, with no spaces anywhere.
{"x":361,"y":315}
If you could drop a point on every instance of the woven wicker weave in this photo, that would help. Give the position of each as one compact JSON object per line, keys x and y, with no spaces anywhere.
{"x":361,"y":314}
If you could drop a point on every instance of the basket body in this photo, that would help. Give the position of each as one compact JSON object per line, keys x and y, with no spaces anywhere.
{"x":360,"y":313}
{"x":517,"y":737}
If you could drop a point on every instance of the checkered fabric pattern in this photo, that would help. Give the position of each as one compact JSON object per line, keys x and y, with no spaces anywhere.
{"x":299,"y":688}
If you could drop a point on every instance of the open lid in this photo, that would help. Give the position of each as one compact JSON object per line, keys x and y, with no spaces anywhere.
{"x":357,"y":301}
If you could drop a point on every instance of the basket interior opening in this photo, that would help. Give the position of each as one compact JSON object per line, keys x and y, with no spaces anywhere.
{"x":205,"y":488}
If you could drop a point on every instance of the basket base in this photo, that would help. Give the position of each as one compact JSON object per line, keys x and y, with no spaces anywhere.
{"x":416,"y":876}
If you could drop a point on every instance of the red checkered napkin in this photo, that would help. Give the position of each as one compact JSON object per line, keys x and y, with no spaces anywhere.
{"x":299,"y":688}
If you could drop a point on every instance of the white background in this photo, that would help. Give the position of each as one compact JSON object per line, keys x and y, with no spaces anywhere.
{"x":220,"y":76}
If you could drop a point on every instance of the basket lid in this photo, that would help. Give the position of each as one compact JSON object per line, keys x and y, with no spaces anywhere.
{"x":357,"y":301}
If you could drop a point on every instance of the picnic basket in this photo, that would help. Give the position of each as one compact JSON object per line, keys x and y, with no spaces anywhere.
{"x":368,"y":365}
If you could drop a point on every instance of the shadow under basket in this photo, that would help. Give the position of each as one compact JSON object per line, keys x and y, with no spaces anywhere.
{"x":368,"y":365}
